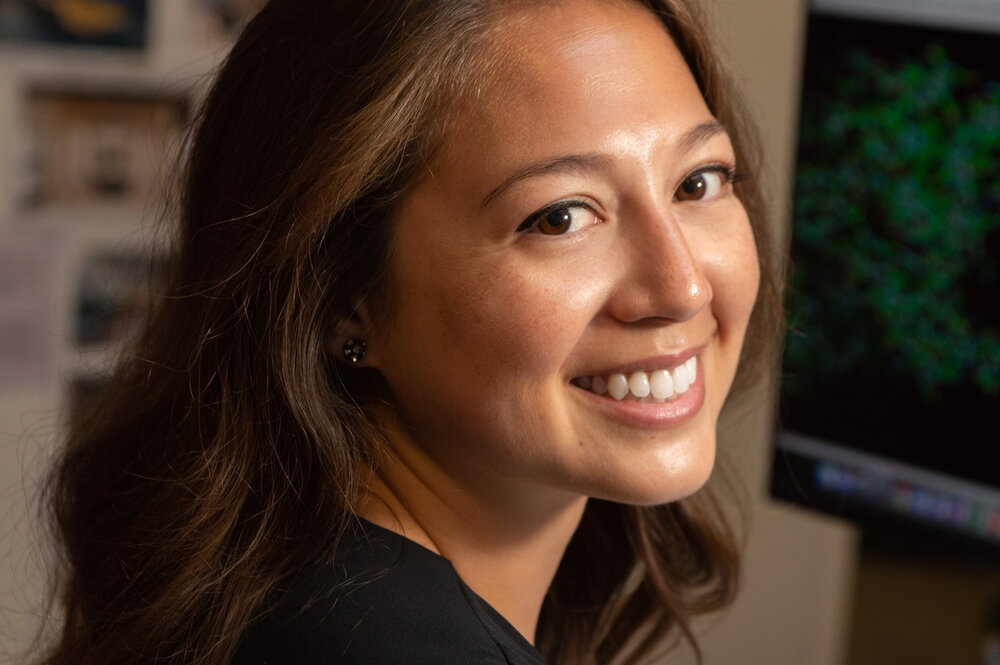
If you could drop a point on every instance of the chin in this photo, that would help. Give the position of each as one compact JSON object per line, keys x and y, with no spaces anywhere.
{"x":666,"y":480}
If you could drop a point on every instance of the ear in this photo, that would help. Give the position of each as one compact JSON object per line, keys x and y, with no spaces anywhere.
{"x":353,"y":338}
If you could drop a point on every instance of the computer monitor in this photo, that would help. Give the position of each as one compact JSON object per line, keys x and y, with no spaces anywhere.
{"x":890,"y":411}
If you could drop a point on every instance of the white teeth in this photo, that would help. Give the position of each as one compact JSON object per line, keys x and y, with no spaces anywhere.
{"x":617,"y":386}
{"x":661,"y":384}
{"x":655,"y":386}
{"x":680,"y":377}
{"x":638,"y":384}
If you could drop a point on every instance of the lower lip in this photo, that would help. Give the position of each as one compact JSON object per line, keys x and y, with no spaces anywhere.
{"x":653,"y":415}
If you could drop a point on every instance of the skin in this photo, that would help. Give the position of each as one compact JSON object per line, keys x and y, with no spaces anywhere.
{"x":492,"y":453}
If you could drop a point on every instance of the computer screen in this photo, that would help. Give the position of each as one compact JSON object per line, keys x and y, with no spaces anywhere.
{"x":890,"y":408}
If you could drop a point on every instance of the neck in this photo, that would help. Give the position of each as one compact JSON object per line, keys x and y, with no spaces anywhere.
{"x":504,"y":537}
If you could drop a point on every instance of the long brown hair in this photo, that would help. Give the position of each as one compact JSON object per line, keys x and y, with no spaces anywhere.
{"x":229,"y":445}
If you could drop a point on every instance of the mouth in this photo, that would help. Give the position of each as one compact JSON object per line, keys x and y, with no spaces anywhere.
{"x":650,"y":386}
{"x":670,"y":391}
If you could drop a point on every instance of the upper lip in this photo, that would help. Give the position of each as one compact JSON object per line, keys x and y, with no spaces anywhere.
{"x":652,"y":363}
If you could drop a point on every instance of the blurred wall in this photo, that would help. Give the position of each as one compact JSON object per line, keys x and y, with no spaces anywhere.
{"x":181,"y":49}
{"x":799,"y":567}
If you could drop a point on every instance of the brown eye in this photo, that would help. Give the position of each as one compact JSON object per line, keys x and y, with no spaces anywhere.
{"x":556,"y":222}
{"x":561,"y":218}
{"x":693,"y":188}
{"x":702,"y":185}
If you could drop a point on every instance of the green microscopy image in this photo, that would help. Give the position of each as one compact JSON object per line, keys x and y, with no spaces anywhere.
{"x":897,"y":227}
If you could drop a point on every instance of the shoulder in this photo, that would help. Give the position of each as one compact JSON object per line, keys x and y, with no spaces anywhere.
{"x":383,"y":601}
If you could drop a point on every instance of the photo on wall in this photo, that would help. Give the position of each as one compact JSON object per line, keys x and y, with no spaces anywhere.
{"x":114,"y":293}
{"x":91,"y":147}
{"x":223,"y":19}
{"x":111,"y":23}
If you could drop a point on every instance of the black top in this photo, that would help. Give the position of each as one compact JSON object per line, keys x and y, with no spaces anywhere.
{"x":385,"y":601}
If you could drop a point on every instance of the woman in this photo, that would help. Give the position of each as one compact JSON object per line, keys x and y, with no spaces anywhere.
{"x":461,"y":290}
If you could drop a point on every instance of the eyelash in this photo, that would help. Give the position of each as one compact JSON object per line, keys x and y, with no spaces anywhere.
{"x":730,"y":176}
{"x":536,"y":217}
{"x":728,"y":172}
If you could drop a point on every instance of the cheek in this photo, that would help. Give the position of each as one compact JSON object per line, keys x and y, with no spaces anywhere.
{"x":473,"y":352}
{"x":734,"y":272}
{"x":520,"y":319}
{"x":488,"y":324}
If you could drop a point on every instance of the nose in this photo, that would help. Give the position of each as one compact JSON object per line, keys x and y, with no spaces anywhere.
{"x":662,"y":278}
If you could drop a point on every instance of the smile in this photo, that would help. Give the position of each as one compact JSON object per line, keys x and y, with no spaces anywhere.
{"x":652,"y":386}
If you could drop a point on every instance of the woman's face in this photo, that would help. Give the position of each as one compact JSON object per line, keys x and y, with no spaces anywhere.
{"x":577,"y":233}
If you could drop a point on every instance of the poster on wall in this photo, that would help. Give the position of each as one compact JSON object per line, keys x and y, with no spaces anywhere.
{"x":223,"y":19}
{"x":114,"y":293}
{"x":89,"y":147}
{"x":114,"y":23}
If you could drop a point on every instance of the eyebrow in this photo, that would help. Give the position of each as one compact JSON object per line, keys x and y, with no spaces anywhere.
{"x":586,"y":163}
{"x":700,"y":134}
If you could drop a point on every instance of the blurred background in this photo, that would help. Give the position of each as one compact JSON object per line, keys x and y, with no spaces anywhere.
{"x":875,"y":536}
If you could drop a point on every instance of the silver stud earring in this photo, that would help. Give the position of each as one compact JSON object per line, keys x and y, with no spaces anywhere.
{"x":355,"y":350}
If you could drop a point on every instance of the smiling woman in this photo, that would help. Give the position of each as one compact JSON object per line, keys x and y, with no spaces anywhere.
{"x":461,"y":291}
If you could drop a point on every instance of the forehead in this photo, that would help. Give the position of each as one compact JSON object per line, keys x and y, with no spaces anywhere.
{"x":572,"y":76}
{"x":536,"y":45}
